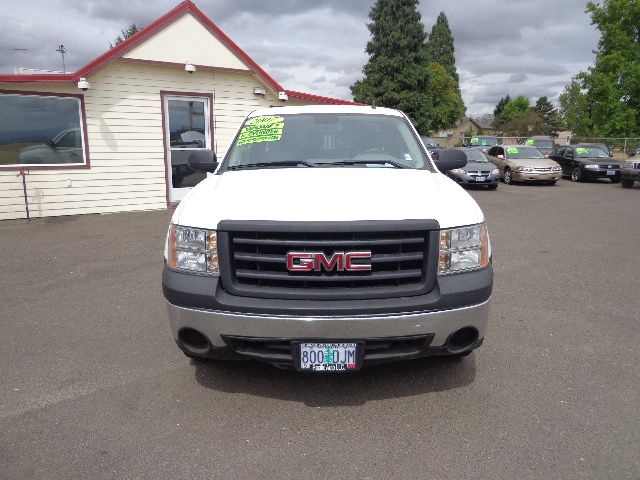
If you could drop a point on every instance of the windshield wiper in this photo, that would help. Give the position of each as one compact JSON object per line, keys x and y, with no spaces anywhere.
{"x":281,"y":163}
{"x":364,"y":162}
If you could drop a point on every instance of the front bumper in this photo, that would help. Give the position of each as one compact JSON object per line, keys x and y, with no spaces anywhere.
{"x":588,"y":173}
{"x":200,"y":304}
{"x":534,"y":176}
{"x":238,"y":335}
{"x":472,"y":180}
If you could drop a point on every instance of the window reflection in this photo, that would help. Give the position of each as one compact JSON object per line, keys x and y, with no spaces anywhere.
{"x":39,"y":130}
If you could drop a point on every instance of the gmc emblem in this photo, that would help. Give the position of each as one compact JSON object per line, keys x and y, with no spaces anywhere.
{"x":316,"y":261}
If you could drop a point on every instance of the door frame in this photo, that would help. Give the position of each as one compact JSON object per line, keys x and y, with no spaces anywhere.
{"x":165,"y":139}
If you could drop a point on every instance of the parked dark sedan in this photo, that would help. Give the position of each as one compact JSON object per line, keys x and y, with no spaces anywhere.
{"x":583,"y":162}
{"x":477,"y":171}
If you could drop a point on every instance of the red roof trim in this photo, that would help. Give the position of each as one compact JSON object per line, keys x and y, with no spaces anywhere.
{"x":119,"y":50}
{"x":319,"y":98}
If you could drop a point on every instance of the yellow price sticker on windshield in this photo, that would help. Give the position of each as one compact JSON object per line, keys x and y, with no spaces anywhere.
{"x":267,"y":128}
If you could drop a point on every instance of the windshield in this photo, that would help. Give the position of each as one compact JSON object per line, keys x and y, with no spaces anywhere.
{"x":591,"y":152}
{"x":539,"y":143}
{"x":475,"y":156}
{"x":523,"y":152}
{"x":323,"y":139}
{"x":484,"y":141}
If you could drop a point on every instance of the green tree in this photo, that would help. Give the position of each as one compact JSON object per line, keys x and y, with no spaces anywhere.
{"x":575,"y":110}
{"x":609,"y":92}
{"x":497,"y":112}
{"x":126,"y":32}
{"x":549,"y":114}
{"x":441,"y":48}
{"x":524,"y":123}
{"x":448,"y":108}
{"x":512,"y":107}
{"x":395,"y":75}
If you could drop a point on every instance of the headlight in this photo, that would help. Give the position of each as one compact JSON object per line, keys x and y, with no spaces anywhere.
{"x":524,"y":169}
{"x":592,"y":167}
{"x":193,"y":250}
{"x":457,"y":171}
{"x":463,"y":249}
{"x":495,"y":171}
{"x":556,"y":169}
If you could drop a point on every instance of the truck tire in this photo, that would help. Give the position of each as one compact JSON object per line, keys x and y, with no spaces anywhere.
{"x":627,"y":183}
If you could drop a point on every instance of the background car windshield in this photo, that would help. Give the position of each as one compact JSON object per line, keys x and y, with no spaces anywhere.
{"x":484,"y":141}
{"x":523,"y":152}
{"x":325,"y":138}
{"x":475,"y":156}
{"x":591,"y":152}
{"x":428,"y":141}
{"x":543,"y":143}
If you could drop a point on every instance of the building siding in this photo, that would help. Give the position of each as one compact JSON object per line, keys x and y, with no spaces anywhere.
{"x":124,"y":130}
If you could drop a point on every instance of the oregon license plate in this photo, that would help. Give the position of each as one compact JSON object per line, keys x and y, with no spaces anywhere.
{"x":327,"y":357}
{"x":479,"y":179}
{"x":611,"y":172}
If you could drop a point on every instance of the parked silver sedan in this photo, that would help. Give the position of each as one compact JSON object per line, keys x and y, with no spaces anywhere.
{"x":519,"y":163}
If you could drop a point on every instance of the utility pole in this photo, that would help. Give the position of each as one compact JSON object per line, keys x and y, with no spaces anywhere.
{"x":63,"y":52}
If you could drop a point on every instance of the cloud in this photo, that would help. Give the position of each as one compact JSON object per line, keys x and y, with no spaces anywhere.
{"x":532,"y":47}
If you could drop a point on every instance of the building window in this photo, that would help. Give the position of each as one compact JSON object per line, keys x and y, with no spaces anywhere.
{"x":41,"y":130}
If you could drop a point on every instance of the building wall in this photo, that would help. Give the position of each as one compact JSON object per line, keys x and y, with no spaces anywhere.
{"x":124,"y":129}
{"x":168,"y":45}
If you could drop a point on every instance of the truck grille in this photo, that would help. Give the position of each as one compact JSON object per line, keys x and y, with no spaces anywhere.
{"x":403,"y":262}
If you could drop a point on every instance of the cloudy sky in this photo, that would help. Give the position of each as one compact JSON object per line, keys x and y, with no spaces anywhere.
{"x":528,"y":47}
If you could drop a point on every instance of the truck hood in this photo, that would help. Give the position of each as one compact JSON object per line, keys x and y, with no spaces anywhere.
{"x":327,"y":194}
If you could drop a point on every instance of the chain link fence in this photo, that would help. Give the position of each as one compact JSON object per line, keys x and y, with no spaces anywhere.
{"x":621,"y":147}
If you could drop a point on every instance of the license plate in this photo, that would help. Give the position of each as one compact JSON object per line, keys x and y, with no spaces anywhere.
{"x":479,"y":179}
{"x":611,"y":172}
{"x":327,"y":357}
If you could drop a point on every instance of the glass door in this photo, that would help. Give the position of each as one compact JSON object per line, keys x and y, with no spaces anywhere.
{"x":187,"y":128}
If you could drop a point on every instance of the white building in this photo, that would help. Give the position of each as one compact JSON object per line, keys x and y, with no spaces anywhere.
{"x":122,"y":144}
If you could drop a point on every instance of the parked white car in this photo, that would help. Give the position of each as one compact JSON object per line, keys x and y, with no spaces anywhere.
{"x":327,"y":239}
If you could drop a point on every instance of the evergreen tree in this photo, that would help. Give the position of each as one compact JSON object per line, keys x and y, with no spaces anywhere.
{"x":497,"y":112}
{"x":440,"y":47}
{"x":126,"y":32}
{"x":549,"y":115}
{"x":395,"y":75}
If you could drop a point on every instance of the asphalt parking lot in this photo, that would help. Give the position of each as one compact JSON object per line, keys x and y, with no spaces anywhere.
{"x":94,"y":387}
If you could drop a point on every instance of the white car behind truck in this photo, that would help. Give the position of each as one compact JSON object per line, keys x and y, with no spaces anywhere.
{"x":327,"y":239}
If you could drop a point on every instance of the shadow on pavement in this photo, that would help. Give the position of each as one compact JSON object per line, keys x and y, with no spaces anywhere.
{"x":396,"y":380}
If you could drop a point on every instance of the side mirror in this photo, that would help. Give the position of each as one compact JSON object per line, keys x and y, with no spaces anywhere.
{"x":450,"y":158}
{"x":500,"y":155}
{"x":202,"y":161}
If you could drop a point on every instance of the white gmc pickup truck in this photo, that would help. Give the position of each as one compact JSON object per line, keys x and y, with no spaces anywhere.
{"x":327,"y":240}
